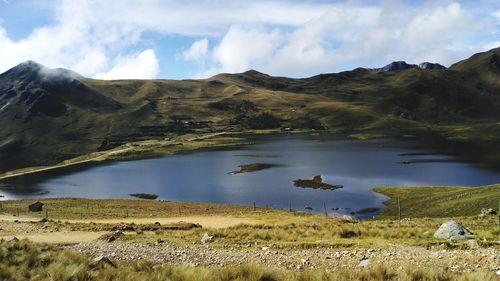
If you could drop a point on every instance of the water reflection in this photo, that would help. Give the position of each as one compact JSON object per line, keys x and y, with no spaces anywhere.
{"x":203,"y":176}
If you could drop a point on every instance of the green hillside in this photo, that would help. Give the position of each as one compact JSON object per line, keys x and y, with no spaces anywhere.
{"x":439,"y":201}
{"x":48,"y":115}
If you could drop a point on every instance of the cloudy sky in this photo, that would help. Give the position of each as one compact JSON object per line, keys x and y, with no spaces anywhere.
{"x":115,"y":39}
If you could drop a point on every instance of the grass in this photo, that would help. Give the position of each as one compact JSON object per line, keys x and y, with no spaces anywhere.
{"x":439,"y":201}
{"x":318,"y":232}
{"x":73,"y":208}
{"x":23,"y":260}
{"x":289,"y":229}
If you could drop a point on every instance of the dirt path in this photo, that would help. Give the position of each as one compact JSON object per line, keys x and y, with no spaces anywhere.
{"x":205,"y":221}
{"x":62,"y":237}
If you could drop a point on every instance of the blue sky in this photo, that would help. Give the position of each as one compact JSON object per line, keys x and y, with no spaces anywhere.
{"x":197,"y":39}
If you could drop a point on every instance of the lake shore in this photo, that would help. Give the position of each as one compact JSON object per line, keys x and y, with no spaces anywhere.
{"x":138,"y":150}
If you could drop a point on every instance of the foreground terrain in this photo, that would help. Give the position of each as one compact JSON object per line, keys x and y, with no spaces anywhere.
{"x":156,"y":240}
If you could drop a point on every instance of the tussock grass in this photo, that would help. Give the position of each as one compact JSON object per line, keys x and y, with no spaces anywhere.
{"x":329,"y":233}
{"x":23,"y":260}
{"x":74,"y":208}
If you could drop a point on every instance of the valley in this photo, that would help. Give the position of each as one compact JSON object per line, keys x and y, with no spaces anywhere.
{"x":49,"y":119}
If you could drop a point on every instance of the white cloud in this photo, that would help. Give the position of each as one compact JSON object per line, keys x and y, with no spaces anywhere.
{"x":143,"y":66}
{"x":353,"y":34}
{"x":241,"y":48}
{"x":197,"y":50}
{"x":293,"y":38}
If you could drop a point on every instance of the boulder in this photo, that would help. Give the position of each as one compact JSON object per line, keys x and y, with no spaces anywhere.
{"x":207,"y":238}
{"x":488,"y":211}
{"x":364,"y":263}
{"x":452,"y":230}
{"x":472,"y":244}
{"x":11,"y":239}
{"x":102,"y":262}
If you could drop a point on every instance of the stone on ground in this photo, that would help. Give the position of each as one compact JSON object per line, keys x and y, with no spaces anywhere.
{"x":452,"y":230}
{"x":364,"y":263}
{"x":207,"y":238}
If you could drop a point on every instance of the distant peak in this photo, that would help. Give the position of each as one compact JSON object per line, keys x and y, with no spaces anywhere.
{"x":33,"y":70}
{"x":28,"y":65}
{"x":430,"y":65}
{"x":30,"y":62}
{"x":402,"y":65}
{"x":254,"y":72}
{"x":397,"y":66}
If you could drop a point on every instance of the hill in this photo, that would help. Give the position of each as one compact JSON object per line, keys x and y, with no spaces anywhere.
{"x":48,"y":115}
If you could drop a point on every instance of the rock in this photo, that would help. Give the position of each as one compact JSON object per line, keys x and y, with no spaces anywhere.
{"x":430,"y":65}
{"x":103,"y":262}
{"x":364,"y":263}
{"x":207,"y":238}
{"x":452,"y":230}
{"x":111,"y":239}
{"x":348,"y":218}
{"x":472,"y":244}
{"x":370,"y":250}
{"x":498,"y":272}
{"x":488,"y":211}
{"x":128,"y":228}
{"x":265,"y":248}
{"x":11,"y":239}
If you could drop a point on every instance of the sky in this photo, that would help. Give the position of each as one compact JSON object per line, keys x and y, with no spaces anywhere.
{"x":168,"y":39}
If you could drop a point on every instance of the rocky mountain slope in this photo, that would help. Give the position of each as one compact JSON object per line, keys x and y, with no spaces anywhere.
{"x":48,"y":115}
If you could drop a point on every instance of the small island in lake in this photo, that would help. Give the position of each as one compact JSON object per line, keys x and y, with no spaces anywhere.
{"x":144,"y":196}
{"x":367,"y":210}
{"x":316,"y":183}
{"x":254,"y":167}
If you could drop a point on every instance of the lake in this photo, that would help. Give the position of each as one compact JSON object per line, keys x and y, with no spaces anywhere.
{"x":358,"y":165}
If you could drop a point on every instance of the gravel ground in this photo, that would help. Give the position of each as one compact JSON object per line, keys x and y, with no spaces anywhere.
{"x":393,"y":256}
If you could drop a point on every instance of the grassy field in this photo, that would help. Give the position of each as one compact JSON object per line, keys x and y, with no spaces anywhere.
{"x":83,"y":220}
{"x":236,"y":225}
{"x":439,"y":201}
{"x":92,"y":209}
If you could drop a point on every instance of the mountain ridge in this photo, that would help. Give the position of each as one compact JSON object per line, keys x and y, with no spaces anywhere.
{"x":47,"y":119}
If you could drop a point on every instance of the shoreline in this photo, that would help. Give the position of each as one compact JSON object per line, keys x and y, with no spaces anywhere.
{"x":136,"y":151}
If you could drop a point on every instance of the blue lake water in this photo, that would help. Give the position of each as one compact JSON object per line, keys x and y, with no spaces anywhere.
{"x":204,"y":176}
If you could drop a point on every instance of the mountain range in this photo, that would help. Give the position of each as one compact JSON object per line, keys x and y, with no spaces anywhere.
{"x":49,"y":115}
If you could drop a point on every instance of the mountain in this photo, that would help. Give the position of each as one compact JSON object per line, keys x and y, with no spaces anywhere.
{"x":430,"y":65}
{"x":402,"y":65}
{"x":396,"y":66}
{"x":48,"y":115}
